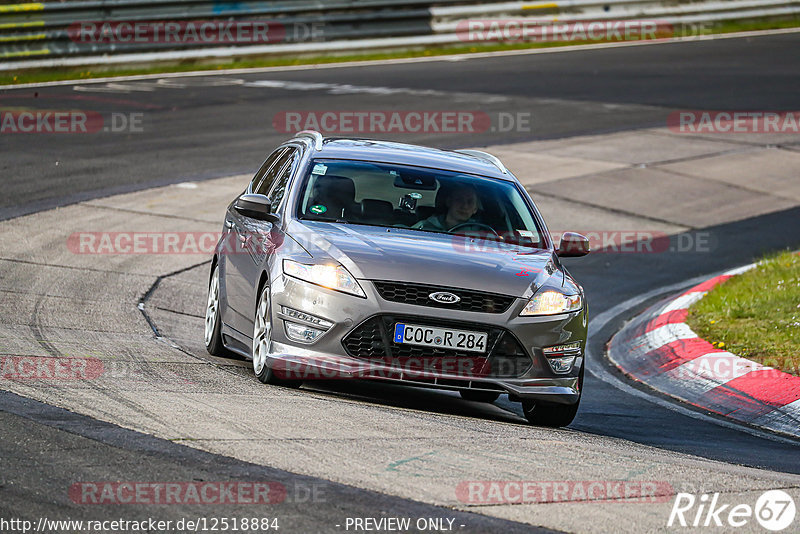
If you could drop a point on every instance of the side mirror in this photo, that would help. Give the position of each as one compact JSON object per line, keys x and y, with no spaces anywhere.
{"x":256,"y":207}
{"x":573,"y":245}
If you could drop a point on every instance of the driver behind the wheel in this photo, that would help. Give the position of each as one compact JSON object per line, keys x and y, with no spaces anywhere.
{"x":460,"y":203}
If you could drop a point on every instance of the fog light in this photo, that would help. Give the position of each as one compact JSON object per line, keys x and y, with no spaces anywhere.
{"x":561,"y":364}
{"x":302,"y":333}
{"x":561,"y":357}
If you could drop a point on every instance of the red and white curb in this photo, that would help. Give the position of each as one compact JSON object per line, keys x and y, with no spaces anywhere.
{"x":659,"y":349}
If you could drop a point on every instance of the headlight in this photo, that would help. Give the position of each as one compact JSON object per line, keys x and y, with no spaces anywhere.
{"x":331,"y":276}
{"x":552,"y":303}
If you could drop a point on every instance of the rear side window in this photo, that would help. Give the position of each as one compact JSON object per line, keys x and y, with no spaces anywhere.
{"x":263,"y":178}
{"x":283,"y":176}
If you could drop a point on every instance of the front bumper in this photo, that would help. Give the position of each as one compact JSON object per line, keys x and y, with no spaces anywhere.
{"x":327,"y":358}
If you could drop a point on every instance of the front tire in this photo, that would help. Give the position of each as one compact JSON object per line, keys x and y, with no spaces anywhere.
{"x":262,"y":338}
{"x":549,"y":414}
{"x":542,"y":413}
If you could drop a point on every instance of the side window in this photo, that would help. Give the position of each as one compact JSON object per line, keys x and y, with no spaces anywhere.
{"x":255,"y":183}
{"x":278,"y":191}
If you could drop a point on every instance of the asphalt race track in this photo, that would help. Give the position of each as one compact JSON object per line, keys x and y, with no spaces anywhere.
{"x":197,"y":129}
{"x":205,"y":128}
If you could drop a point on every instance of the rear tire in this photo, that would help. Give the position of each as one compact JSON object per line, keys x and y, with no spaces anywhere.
{"x":262,"y":338}
{"x":213,"y":325}
{"x":479,"y":396}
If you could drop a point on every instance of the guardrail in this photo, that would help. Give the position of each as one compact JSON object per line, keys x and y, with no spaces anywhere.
{"x":100,"y":32}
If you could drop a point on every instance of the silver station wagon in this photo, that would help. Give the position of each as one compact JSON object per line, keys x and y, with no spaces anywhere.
{"x":361,"y":259}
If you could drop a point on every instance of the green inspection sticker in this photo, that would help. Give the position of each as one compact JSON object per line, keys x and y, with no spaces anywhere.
{"x":318,"y":209}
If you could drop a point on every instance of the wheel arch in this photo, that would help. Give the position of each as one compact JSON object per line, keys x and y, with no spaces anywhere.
{"x":262,"y":281}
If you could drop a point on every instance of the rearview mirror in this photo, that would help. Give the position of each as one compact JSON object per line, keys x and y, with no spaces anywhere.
{"x":256,"y":207}
{"x":421,"y":182}
{"x":573,"y":245}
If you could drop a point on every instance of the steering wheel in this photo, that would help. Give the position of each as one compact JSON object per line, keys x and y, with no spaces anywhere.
{"x":474,"y":224}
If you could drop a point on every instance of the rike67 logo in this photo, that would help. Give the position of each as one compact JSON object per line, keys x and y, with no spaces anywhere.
{"x":774,"y":510}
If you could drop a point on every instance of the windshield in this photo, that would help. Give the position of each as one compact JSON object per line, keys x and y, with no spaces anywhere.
{"x":428,"y":200}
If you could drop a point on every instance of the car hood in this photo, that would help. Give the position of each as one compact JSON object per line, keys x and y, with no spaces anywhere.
{"x":398,"y":254}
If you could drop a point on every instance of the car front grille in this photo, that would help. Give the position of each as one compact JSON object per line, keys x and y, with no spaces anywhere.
{"x":372,"y":341}
{"x":418,"y":294}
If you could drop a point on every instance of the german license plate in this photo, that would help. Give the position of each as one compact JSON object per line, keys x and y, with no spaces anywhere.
{"x":445,"y":338}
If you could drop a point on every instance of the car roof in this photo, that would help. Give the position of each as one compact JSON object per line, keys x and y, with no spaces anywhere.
{"x":406,"y":154}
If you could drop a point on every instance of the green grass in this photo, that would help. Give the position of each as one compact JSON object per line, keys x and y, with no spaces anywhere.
{"x":80,"y":73}
{"x":756,"y":315}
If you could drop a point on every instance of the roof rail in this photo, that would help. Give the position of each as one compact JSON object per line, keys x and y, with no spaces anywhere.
{"x":314,"y":136}
{"x":485,"y":156}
